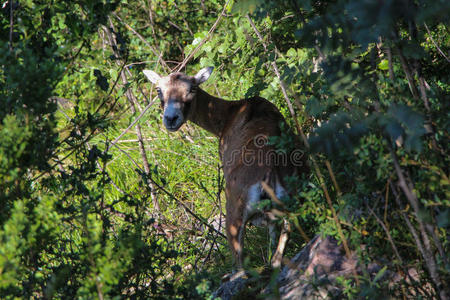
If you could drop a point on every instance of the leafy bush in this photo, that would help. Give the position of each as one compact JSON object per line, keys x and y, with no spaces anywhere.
{"x":97,"y":200}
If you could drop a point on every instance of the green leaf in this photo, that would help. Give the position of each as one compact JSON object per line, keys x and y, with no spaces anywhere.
{"x":413,"y":124}
{"x":380,"y":274}
{"x":246,"y":6}
{"x":443,"y":218}
{"x":292,"y":52}
{"x":424,"y":215}
{"x":313,"y":107}
{"x":383,"y":65}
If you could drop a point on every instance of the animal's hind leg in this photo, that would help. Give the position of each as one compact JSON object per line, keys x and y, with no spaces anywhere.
{"x":284,"y":232}
{"x":284,"y":237}
{"x":235,"y":234}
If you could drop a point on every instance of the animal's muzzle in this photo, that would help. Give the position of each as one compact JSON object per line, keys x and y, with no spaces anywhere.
{"x":173,"y":117}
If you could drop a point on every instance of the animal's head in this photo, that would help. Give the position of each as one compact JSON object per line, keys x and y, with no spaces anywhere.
{"x":176,"y":92}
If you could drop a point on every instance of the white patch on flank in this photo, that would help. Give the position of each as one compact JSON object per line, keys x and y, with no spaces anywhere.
{"x":280,"y":191}
{"x":253,"y":198}
{"x":252,"y":212}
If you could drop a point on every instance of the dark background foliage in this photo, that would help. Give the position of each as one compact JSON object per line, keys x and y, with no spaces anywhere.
{"x":97,"y":200}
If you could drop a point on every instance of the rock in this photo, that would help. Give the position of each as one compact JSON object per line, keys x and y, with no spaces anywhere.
{"x":310,"y":274}
{"x":232,"y":287}
{"x":312,"y":271}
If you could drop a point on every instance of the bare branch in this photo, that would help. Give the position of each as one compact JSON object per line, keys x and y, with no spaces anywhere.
{"x":133,"y":103}
{"x":131,"y":125}
{"x":407,"y":187}
{"x":388,"y":234}
{"x":211,"y":30}
{"x":184,"y":20}
{"x":408,"y":74}
{"x":159,"y":187}
{"x":435,"y":44}
{"x":158,"y":55}
{"x":305,"y":141}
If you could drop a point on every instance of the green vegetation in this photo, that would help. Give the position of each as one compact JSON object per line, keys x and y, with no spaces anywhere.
{"x":93,"y":205}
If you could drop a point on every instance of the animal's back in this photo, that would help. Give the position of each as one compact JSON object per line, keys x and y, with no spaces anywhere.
{"x":246,"y":155}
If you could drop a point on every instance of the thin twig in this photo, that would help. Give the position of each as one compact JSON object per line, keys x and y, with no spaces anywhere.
{"x":437,"y":47}
{"x":184,"y":20}
{"x":305,"y":141}
{"x":132,"y":100}
{"x":408,"y":74}
{"x":220,"y":180}
{"x":160,"y":60}
{"x":407,"y":221}
{"x":175,"y":25}
{"x":407,"y":187}
{"x":388,"y":234}
{"x":131,"y":125}
{"x":159,"y":187}
{"x":386,"y":201}
{"x":333,"y":178}
{"x":211,"y":30}
{"x":141,"y":91}
{"x":60,"y":109}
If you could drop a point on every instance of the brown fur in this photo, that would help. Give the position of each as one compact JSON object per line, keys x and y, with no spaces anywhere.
{"x":236,"y":124}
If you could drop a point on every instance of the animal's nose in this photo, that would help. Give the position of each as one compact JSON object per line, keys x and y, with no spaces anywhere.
{"x":171,"y":120}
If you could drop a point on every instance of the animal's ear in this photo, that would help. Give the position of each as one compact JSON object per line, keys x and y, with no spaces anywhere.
{"x":203,"y":75}
{"x":152,"y":76}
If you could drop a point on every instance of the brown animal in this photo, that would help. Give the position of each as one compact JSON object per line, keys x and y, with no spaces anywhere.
{"x":243,"y":128}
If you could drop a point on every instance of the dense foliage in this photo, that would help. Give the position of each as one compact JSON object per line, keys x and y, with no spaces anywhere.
{"x":97,"y":200}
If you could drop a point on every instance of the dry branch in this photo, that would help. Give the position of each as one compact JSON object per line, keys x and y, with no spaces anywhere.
{"x":435,"y":44}
{"x":133,"y":103}
{"x":424,"y":245}
{"x":305,"y":141}
{"x":211,"y":30}
{"x":158,"y":55}
{"x":160,"y":188}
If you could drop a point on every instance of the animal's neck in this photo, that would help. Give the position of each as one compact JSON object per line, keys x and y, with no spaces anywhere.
{"x":210,"y":113}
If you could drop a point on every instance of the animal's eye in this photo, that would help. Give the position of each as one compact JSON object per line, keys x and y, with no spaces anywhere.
{"x":160,"y":95}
